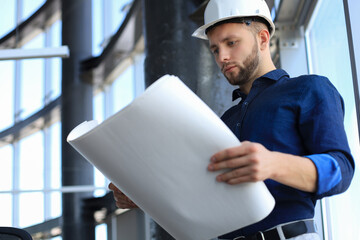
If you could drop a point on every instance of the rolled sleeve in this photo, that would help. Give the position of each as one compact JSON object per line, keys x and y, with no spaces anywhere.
{"x":322,"y":125}
{"x":329,"y":172}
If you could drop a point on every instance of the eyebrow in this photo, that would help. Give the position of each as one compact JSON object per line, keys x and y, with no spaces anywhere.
{"x":212,"y":46}
{"x":223,"y":40}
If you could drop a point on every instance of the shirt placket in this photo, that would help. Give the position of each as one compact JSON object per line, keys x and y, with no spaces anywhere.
{"x":255,"y":90}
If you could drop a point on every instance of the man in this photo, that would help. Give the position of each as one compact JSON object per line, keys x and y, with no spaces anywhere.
{"x":291,"y":129}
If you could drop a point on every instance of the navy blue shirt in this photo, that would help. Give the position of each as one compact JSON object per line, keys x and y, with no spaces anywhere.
{"x":301,"y":116}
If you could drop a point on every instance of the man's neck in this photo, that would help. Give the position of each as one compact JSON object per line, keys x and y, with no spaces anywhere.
{"x":261,"y":72}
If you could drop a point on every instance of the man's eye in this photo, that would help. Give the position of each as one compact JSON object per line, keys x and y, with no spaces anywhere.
{"x":231,"y":43}
{"x":215,"y":51}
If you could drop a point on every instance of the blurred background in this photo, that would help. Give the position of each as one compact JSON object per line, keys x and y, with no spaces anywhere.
{"x":79,"y":60}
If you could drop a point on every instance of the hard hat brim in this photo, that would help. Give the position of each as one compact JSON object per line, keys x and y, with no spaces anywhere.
{"x":200,"y":32}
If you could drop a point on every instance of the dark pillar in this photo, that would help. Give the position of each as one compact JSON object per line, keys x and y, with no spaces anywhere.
{"x":77,"y":223}
{"x":170,"y":49}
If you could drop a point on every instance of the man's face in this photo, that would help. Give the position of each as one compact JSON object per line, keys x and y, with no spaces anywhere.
{"x":236,"y":52}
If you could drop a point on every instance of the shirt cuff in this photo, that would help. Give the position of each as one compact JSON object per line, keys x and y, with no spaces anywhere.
{"x":329,"y":172}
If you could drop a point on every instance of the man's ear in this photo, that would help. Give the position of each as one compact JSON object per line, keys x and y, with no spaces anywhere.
{"x":264,"y":39}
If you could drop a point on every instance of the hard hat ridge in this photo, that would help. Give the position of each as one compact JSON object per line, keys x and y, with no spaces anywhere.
{"x":220,"y":10}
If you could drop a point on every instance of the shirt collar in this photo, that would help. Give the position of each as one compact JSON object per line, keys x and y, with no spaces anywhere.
{"x":274,"y":75}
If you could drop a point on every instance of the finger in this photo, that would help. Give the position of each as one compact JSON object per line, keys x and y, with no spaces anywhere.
{"x":239,"y":180}
{"x":240,"y":175}
{"x":224,"y":164}
{"x":230,"y":153}
{"x":125,"y":203}
{"x":238,"y":162}
{"x":115,"y":190}
{"x":123,"y":200}
{"x":235,"y":173}
{"x":118,"y":196}
{"x":112,"y":187}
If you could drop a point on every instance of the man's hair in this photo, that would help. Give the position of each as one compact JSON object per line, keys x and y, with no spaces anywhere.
{"x":256,"y":24}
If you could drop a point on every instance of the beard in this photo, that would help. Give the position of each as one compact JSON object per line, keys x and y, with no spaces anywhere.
{"x":247,"y":71}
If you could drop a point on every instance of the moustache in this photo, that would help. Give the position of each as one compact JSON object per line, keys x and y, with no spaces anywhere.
{"x":227,"y":65}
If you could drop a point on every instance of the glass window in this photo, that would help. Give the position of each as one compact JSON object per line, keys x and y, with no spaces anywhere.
{"x":29,"y":170}
{"x":32,"y":162}
{"x":97,"y":26}
{"x":56,"y":75}
{"x":55,"y":32}
{"x":124,"y":89}
{"x":56,"y":63}
{"x":55,"y":132}
{"x":98,"y":105}
{"x":122,"y":93}
{"x":101,"y":232}
{"x":119,"y":11}
{"x":7,"y":13}
{"x":105,"y":25}
{"x":6,"y":94}
{"x":31,"y":6}
{"x":329,"y":55}
{"x":32,"y":81}
{"x":6,"y":166}
{"x":31,"y":208}
{"x":99,"y":181}
{"x":56,"y":205}
{"x":5,"y":210}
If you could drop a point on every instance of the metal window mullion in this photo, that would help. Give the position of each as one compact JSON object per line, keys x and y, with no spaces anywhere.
{"x":65,"y":189}
{"x":107,"y":19}
{"x":19,"y":7}
{"x":108,"y":109}
{"x":108,"y":101}
{"x":46,"y":131}
{"x":47,"y":173}
{"x":352,"y":21}
{"x":139,"y":79}
{"x":108,"y":89}
{"x":322,"y":207}
{"x":17,"y":111}
{"x":17,"y":93}
{"x":139,"y":87}
{"x":321,"y":218}
{"x":326,"y":216}
{"x":16,"y":185}
{"x":113,"y":228}
{"x":48,"y":69}
{"x":17,"y":87}
{"x":308,"y":53}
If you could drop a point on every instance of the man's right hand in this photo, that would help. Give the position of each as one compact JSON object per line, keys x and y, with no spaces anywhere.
{"x":122,"y":201}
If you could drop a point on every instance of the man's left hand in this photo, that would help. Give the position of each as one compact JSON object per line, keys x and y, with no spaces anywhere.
{"x":249,"y":162}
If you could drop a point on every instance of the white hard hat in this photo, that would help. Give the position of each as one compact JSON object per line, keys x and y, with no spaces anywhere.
{"x":220,"y":10}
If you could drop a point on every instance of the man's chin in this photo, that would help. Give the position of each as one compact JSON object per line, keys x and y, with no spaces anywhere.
{"x":233,"y":82}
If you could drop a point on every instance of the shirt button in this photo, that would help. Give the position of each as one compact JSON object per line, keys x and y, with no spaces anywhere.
{"x":246,"y":103}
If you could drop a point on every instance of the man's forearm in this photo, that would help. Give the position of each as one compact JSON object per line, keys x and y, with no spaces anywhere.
{"x":295,"y":171}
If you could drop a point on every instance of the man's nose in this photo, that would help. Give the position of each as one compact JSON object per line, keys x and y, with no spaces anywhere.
{"x":224,"y":56}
